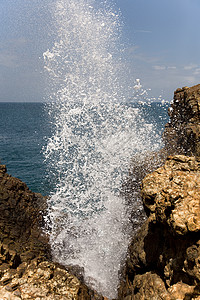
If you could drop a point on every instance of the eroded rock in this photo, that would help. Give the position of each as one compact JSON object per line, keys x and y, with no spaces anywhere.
{"x":21,"y":218}
{"x":26,"y":269}
{"x":164,"y":257}
{"x":171,"y":194}
{"x":182,"y":134}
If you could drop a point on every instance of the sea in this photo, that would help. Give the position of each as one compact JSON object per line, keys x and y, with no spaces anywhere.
{"x":25,"y":130}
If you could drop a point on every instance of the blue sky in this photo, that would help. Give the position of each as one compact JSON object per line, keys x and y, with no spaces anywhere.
{"x":165,"y":39}
{"x":161,"y":37}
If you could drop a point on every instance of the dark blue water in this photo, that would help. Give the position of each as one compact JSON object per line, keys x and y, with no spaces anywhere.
{"x":24,"y":130}
{"x":22,"y":135}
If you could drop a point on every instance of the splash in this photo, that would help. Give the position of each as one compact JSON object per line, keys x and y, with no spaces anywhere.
{"x":94,"y":136}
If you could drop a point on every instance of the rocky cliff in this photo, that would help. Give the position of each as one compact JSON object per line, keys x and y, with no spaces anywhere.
{"x":182,"y":134}
{"x":164,"y":257}
{"x":26,"y":269}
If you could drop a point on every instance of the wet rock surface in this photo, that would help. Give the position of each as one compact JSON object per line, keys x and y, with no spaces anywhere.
{"x":26,"y":269}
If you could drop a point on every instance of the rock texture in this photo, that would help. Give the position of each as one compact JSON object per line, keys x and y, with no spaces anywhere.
{"x":21,"y":218}
{"x":182,"y":134}
{"x":171,"y":194}
{"x":26,"y":269}
{"x":164,"y":256}
{"x":39,"y":279}
{"x":140,"y":166}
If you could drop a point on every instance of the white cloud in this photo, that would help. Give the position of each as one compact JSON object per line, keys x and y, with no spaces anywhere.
{"x":190,"y":67}
{"x":132,"y":49}
{"x":197,"y":71}
{"x":158,"y":68}
{"x":134,"y":53}
{"x":171,"y":68}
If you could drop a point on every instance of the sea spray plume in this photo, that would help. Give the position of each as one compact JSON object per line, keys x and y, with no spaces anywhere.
{"x":86,"y":46}
{"x":93,"y":138}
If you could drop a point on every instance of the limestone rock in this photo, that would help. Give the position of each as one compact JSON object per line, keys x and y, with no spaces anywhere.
{"x":26,"y":269}
{"x":41,"y":280}
{"x":164,"y":256}
{"x":171,"y":194}
{"x":146,"y":286}
{"x":182,"y":134}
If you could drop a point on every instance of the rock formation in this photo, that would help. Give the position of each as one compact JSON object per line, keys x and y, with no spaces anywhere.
{"x":21,"y":218}
{"x":164,"y":257}
{"x":26,"y":269}
{"x":182,"y":134}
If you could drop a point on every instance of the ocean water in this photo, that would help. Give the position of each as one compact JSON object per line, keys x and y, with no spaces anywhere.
{"x":22,"y":135}
{"x":24,"y":131}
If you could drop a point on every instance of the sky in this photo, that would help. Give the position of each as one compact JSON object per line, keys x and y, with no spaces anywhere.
{"x":162,"y":45}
